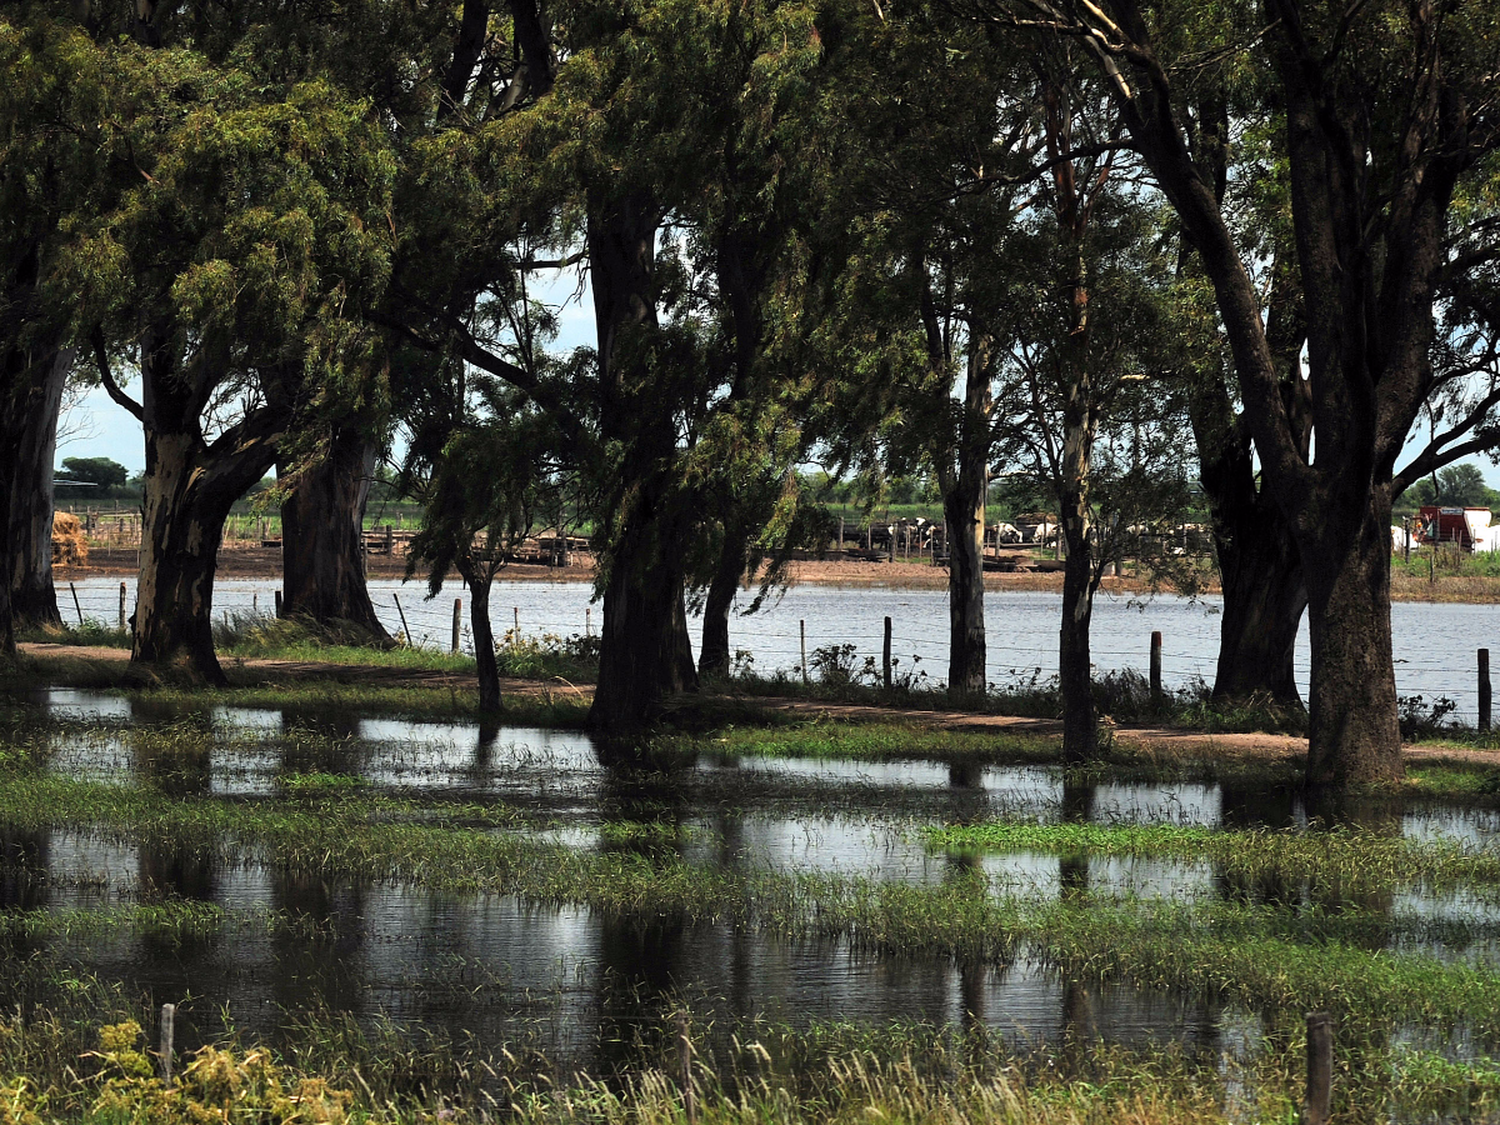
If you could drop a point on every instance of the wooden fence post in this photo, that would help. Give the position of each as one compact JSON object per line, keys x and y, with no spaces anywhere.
{"x":1156,"y":668}
{"x":76,"y":606}
{"x":458,"y":608}
{"x":1484,"y":689}
{"x":1318,"y":1107}
{"x":887,"y":654}
{"x":278,"y":604}
{"x":803,"y":625}
{"x":122,"y":605}
{"x":405,"y":631}
{"x":168,"y":1035}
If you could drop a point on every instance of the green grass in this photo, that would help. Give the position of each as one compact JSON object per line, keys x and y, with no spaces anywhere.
{"x":1261,"y":956}
{"x":1354,"y":860}
{"x":92,"y":633}
{"x":867,"y":741}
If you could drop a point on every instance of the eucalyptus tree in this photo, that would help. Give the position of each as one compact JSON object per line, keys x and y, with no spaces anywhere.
{"x":249,"y":232}
{"x":1388,"y":111}
{"x":54,"y":158}
{"x":1084,"y":383}
{"x":637,"y":161}
{"x":936,"y":180}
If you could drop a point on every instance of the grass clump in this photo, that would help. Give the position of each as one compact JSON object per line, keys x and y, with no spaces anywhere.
{"x":1352,"y":858}
{"x":91,"y":633}
{"x":843,"y":741}
{"x":573,"y":659}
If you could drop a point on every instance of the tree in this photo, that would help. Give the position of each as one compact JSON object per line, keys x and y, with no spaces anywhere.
{"x":1459,"y":486}
{"x":1386,"y":109}
{"x":620,"y":163}
{"x":93,"y":477}
{"x":225,"y":271}
{"x":483,"y":472}
{"x":53,"y":159}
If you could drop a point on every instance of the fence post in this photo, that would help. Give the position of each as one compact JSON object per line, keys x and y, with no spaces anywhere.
{"x":405,"y":630}
{"x":458,"y":607}
{"x":517,"y":634}
{"x":122,"y":605}
{"x":1319,"y":1069}
{"x":168,"y":1034}
{"x":278,"y":605}
{"x":803,"y":625}
{"x":588,"y":621}
{"x":1484,"y":689}
{"x":887,"y":654}
{"x":1156,"y":668}
{"x":76,"y":606}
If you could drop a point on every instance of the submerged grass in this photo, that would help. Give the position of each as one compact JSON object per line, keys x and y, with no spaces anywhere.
{"x":1263,"y":956}
{"x":1349,"y":858}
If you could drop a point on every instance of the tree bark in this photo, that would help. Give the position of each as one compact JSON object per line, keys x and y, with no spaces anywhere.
{"x":31,"y":451}
{"x":645,"y":651}
{"x":1264,"y":599}
{"x":645,"y":654}
{"x":1074,"y":660}
{"x":322,"y":547}
{"x":1353,"y":732}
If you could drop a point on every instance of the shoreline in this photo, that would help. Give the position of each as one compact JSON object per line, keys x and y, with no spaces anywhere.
{"x":257,"y":562}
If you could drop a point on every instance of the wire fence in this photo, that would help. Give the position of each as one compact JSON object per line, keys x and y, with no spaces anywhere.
{"x":1435,"y":645}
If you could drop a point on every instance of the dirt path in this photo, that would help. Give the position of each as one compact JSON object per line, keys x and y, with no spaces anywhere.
{"x":1147,"y":739}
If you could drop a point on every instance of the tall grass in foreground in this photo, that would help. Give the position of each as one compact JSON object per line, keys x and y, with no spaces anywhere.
{"x":72,"y":1065}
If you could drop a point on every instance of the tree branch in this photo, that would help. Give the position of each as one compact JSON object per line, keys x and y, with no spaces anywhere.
{"x":112,"y":388}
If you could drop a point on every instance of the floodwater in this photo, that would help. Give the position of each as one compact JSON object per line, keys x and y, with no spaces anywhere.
{"x":580,"y":984}
{"x":1435,"y":644}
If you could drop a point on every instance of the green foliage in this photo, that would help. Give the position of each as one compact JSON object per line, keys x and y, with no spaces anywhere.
{"x":93,"y":477}
{"x":1461,"y":485}
{"x":574,"y":658}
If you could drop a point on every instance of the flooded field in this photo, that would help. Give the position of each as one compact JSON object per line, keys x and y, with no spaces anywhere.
{"x":527,"y":886}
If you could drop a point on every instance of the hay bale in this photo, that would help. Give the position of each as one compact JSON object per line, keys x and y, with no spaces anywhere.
{"x":69,"y":547}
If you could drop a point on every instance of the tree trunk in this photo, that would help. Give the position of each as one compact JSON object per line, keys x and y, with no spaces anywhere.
{"x":322,"y":525}
{"x":189,"y":489}
{"x":1353,"y":732}
{"x":180,"y":536}
{"x":963,"y":516}
{"x":645,"y":651}
{"x":644,"y":654}
{"x":1264,"y":599}
{"x":488,"y":669}
{"x":963,"y":509}
{"x":713,"y":659}
{"x":32,"y":451}
{"x":1074,"y":661}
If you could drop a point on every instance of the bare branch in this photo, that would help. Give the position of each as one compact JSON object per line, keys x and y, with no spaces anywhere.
{"x":106,"y":376}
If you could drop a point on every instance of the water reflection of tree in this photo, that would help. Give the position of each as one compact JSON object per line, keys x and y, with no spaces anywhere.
{"x":1078,"y":1017}
{"x":318,"y":950}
